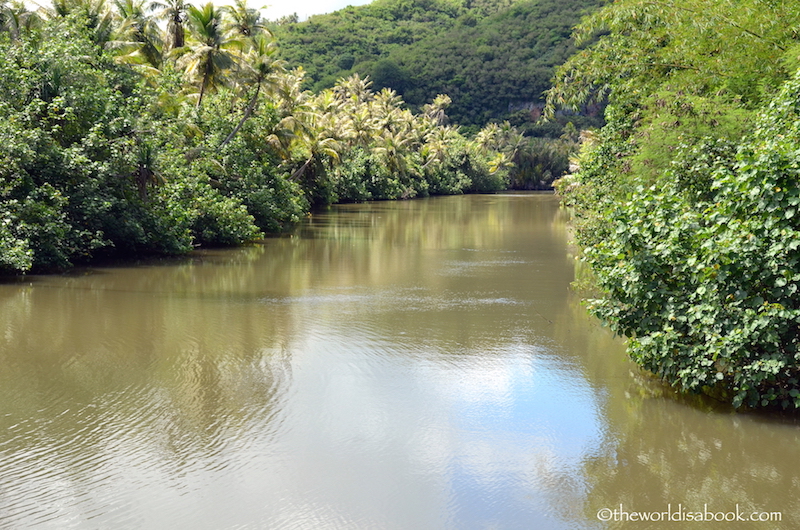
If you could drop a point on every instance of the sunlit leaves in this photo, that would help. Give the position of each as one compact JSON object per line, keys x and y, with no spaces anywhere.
{"x":705,"y":46}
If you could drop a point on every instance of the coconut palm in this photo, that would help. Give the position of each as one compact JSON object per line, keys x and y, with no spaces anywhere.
{"x":260,"y":68}
{"x":292,"y":104}
{"x":354,"y":91}
{"x":390,"y":149}
{"x":320,"y":149}
{"x":435,"y":109}
{"x":504,"y":141}
{"x":207,"y":59}
{"x":290,"y":98}
{"x":353,"y":96}
{"x":438,"y":144}
{"x":137,"y":35}
{"x":17,"y":20}
{"x":363,"y":126}
{"x":244,"y":21}
{"x":385,"y":104}
{"x":488,"y":138}
{"x":322,"y":152}
{"x":173,"y":12}
{"x":99,"y":18}
{"x":309,"y":135}
{"x":145,"y":175}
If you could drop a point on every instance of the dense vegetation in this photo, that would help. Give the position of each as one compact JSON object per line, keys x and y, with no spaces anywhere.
{"x":118,"y":137}
{"x":494,"y":58}
{"x":687,"y":202}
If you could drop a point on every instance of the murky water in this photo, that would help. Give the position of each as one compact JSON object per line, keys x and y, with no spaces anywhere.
{"x":406,"y":365}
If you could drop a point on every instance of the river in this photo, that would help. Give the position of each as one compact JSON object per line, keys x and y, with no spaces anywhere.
{"x":395,"y":365}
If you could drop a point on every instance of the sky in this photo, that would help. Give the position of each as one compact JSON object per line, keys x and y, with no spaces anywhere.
{"x":304,"y":8}
{"x":271,"y":9}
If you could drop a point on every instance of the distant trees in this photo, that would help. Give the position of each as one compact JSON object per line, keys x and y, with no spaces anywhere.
{"x":487,"y":56}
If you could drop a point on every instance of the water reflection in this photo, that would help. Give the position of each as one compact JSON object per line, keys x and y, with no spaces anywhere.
{"x":418,"y":364}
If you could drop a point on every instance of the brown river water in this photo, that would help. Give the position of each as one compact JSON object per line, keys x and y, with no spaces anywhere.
{"x":396,"y":365}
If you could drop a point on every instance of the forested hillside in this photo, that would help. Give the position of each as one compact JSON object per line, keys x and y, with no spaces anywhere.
{"x":493,"y":58}
{"x":687,"y":202}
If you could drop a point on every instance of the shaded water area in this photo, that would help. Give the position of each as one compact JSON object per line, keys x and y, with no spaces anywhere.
{"x":398,"y":365}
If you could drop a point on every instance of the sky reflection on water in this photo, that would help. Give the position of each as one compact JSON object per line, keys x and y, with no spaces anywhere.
{"x":393,"y":365}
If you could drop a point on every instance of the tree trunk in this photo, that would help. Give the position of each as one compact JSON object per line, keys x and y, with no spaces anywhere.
{"x":299,"y":173}
{"x":248,"y":111}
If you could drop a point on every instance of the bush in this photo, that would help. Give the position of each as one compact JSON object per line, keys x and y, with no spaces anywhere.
{"x":351,"y":177}
{"x":702,"y":272}
{"x":213,"y":218}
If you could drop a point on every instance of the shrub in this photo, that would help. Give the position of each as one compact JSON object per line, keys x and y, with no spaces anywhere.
{"x":702,"y":272}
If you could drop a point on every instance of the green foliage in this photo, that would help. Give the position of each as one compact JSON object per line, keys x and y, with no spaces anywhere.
{"x":500,"y":65}
{"x":64,"y":123}
{"x":493,"y":58}
{"x":111,"y":145}
{"x":539,"y":162}
{"x":353,"y":175}
{"x":325,"y":44}
{"x":696,"y":46}
{"x":275,"y":203}
{"x":671,"y":118}
{"x":385,"y":73}
{"x":702,"y":274}
{"x":686,"y":201}
{"x":76,"y":180}
{"x":213,"y":219}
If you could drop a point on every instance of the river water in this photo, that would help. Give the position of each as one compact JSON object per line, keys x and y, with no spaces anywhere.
{"x":396,"y":365}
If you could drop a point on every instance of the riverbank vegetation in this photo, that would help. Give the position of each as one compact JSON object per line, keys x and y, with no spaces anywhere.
{"x":687,"y":202}
{"x":133,"y":128}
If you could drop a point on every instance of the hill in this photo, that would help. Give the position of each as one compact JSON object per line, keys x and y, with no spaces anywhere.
{"x":494,"y":58}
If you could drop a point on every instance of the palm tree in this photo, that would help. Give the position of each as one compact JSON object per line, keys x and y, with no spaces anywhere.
{"x":390,"y":149}
{"x":438,"y":144}
{"x":291,"y":100}
{"x":320,"y":148}
{"x":323,"y":151}
{"x":354,"y":90}
{"x":505,"y":141}
{"x":17,"y":20}
{"x":174,"y":13}
{"x":241,"y":24}
{"x":292,"y":106}
{"x":99,"y":19}
{"x":137,"y":35}
{"x":261,"y":67}
{"x":145,"y":174}
{"x":435,"y":109}
{"x":353,"y":95}
{"x":385,"y":105}
{"x":207,"y":59}
{"x":363,"y":125}
{"x":244,"y":21}
{"x":306,"y":134}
